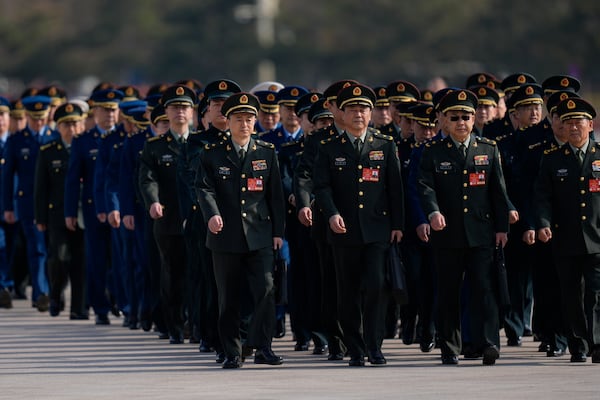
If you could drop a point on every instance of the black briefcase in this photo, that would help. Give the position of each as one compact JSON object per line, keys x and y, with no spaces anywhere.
{"x":502,"y":282}
{"x":396,"y":274}
{"x":280,"y":279}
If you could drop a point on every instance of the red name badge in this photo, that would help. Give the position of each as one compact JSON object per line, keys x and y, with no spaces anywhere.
{"x":594,"y":185}
{"x":255,"y":184}
{"x":477,"y":179}
{"x":370,"y":175}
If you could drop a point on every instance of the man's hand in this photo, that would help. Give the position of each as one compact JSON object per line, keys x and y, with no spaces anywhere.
{"x":41,"y":227}
{"x":9,"y":217}
{"x":513,"y":216}
{"x":101,"y":217}
{"x":292,"y":199}
{"x":114,"y":219}
{"x":305,"y":216}
{"x":501,"y":239}
{"x":529,"y":237}
{"x":544,"y":234}
{"x":396,"y":236}
{"x":423,"y":232}
{"x":71,"y":223}
{"x":336,"y":223}
{"x":277,"y":243}
{"x":437,"y":221}
{"x":129,"y":222}
{"x":156,"y":210}
{"x":215,"y":224}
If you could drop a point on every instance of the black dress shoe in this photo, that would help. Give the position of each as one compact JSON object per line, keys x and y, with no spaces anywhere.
{"x":335,"y":356}
{"x":77,"y":316}
{"x":163,"y":335}
{"x":527,"y":332}
{"x":544,"y":347}
{"x":43,"y":302}
{"x":54,"y":308}
{"x":134,"y":323}
{"x":232,"y":362}
{"x":514,"y":342}
{"x":578,"y":357}
{"x":204,"y":347}
{"x":427,"y":345}
{"x":470,"y":354}
{"x":220,"y":358}
{"x":357,"y":361}
{"x":102,"y":319}
{"x":490,"y":355}
{"x":280,"y":328}
{"x":408,"y":332}
{"x":176,"y":339}
{"x":376,"y":357}
{"x":318,"y":350}
{"x":449,"y":359}
{"x":596,"y":356}
{"x":555,"y":353}
{"x":5,"y":299}
{"x":146,"y":325}
{"x":266,"y":356}
{"x":115,"y":310}
{"x":247,"y":351}
{"x":301,"y":347}
{"x":125,"y":323}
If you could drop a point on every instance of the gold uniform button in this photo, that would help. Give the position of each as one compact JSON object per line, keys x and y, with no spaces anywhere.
{"x":194,"y":207}
{"x":25,"y":157}
{"x":465,"y":197}
{"x":360,"y":206}
{"x":244,"y":215}
{"x":56,"y":170}
{"x":466,"y":210}
{"x":582,"y":205}
{"x":20,"y":193}
{"x":360,"y":167}
{"x":51,"y":206}
{"x":464,"y":171}
{"x":243,"y":189}
{"x":582,"y":192}
{"x":243,"y":175}
{"x":360,"y":180}
{"x":465,"y":184}
{"x":89,"y":201}
{"x":360,"y":193}
{"x":385,"y":213}
{"x":581,"y":178}
{"x":583,"y":217}
{"x":243,"y":201}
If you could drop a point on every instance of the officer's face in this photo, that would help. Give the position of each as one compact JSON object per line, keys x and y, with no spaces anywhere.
{"x":528,"y":115}
{"x":323,"y":122}
{"x":4,"y":121}
{"x":105,"y":117}
{"x":484,"y":113}
{"x":338,"y":115}
{"x":214,"y":114}
{"x":17,"y":124}
{"x":289,"y":119}
{"x":459,"y":124}
{"x":422,"y":133}
{"x":36,"y":124}
{"x":578,"y":130}
{"x":356,"y":118}
{"x":68,"y":129}
{"x":305,"y":123}
{"x":161,"y":127}
{"x":179,"y":114}
{"x":268,"y":120}
{"x":558,"y":128}
{"x":406,"y":127}
{"x":501,"y":108}
{"x":394,"y":113}
{"x":381,"y":116}
{"x":241,"y":126}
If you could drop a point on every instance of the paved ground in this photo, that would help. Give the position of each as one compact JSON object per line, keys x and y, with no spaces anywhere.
{"x":54,"y":358}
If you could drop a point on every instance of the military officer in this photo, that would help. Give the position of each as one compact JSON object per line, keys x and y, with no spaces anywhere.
{"x":463,"y":195}
{"x":268,"y":115}
{"x":6,"y":281}
{"x":241,"y":198}
{"x":20,"y":156}
{"x":399,"y":92}
{"x":358,"y":186}
{"x":567,"y":196}
{"x":290,"y":129}
{"x":65,"y":247}
{"x":381,"y":112}
{"x":159,"y":189}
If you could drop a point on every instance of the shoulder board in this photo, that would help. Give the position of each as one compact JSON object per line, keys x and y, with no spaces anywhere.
{"x":155,"y":138}
{"x":210,"y":146}
{"x":292,"y":143}
{"x":265,"y":144}
{"x":485,"y":140}
{"x":328,"y":140}
{"x":263,"y":133}
{"x":417,"y":145}
{"x":551,"y":150}
{"x":380,"y":135}
{"x":47,"y":146}
{"x":533,"y":146}
{"x":371,"y":129}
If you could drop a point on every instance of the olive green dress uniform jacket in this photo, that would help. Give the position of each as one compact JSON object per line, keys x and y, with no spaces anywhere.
{"x":366,"y":191}
{"x":471,"y":194}
{"x":567,"y":199}
{"x":49,"y":188}
{"x":158,"y":181}
{"x":248,"y":196}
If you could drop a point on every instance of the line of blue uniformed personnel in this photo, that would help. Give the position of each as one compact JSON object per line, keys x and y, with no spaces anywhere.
{"x":171,"y":225}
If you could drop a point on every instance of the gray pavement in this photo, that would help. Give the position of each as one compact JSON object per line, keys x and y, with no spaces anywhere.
{"x":55,"y":358}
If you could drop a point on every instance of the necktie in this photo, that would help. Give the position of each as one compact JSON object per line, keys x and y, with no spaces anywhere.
{"x":242,"y":154}
{"x":463,"y":150}
{"x":358,"y":146}
{"x":579,"y":155}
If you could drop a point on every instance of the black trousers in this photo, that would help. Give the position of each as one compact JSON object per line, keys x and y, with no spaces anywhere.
{"x":66,"y":264}
{"x":173,"y":266}
{"x":360,"y":272}
{"x":232,"y":273}
{"x":451,"y":266}
{"x":580,"y":289}
{"x":519,"y":267}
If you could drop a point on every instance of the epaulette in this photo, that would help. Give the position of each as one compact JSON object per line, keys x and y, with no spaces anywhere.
{"x":264,"y":144}
{"x":47,"y":146}
{"x":263,"y":133}
{"x":430,"y":143}
{"x":533,"y":146}
{"x":551,"y":150}
{"x":485,"y":140}
{"x":380,"y":135}
{"x":328,"y":140}
{"x":155,"y":138}
{"x":502,"y":137}
{"x":288,"y":144}
{"x":107,"y":134}
{"x":374,"y":130}
{"x":209,"y":146}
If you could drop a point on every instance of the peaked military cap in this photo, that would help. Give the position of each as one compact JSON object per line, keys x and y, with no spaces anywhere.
{"x":458,"y":100}
{"x":129,"y":92}
{"x":480,"y":79}
{"x":289,"y":95}
{"x":556,"y":98}
{"x":427,"y":96}
{"x":103,"y":86}
{"x":221,"y":89}
{"x":240,"y":103}
{"x":4,"y":104}
{"x":107,"y":98}
{"x":561,"y":83}
{"x":514,"y":81}
{"x":57,"y":95}
{"x":423,"y":114}
{"x":305,"y":102}
{"x":17,"y":109}
{"x":179,"y":94}
{"x":404,"y":107}
{"x":398,"y":91}
{"x":268,"y":101}
{"x":127,"y":107}
{"x":318,"y":110}
{"x":270,"y":86}
{"x":158,"y":114}
{"x":486,"y":96}
{"x":331,"y":93}
{"x":439,"y":95}
{"x":68,"y":112}
{"x":356,"y":95}
{"x":30,"y":91}
{"x":381,"y":94}
{"x":575,"y":108}
{"x":193,"y":84}
{"x":530,"y":93}
{"x":37,"y":106}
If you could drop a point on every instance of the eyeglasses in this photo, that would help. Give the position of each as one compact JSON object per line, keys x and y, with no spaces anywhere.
{"x":455,"y":118}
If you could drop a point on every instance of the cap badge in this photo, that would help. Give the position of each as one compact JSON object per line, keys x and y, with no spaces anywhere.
{"x":223,"y":85}
{"x":69,"y":108}
{"x":273,"y":88}
{"x":179,"y":91}
{"x":563,"y":96}
{"x":129,"y":91}
{"x":429,"y":110}
{"x":529,"y":90}
{"x":382,"y":92}
{"x":491,"y":85}
{"x":571,"y":105}
{"x":462,"y":96}
{"x":521,"y":79}
{"x":400,"y":87}
{"x":564,"y":82}
{"x":271,"y":97}
{"x":38,"y":106}
{"x":428,"y":96}
{"x":356,"y":91}
{"x":294,"y":92}
{"x":110,"y":95}
{"x":244,"y":99}
{"x":314,"y":98}
{"x":482,"y":92}
{"x":346,"y":84}
{"x":481,"y":78}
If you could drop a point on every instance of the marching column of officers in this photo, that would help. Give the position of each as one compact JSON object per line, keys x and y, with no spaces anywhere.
{"x":175,"y":210}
